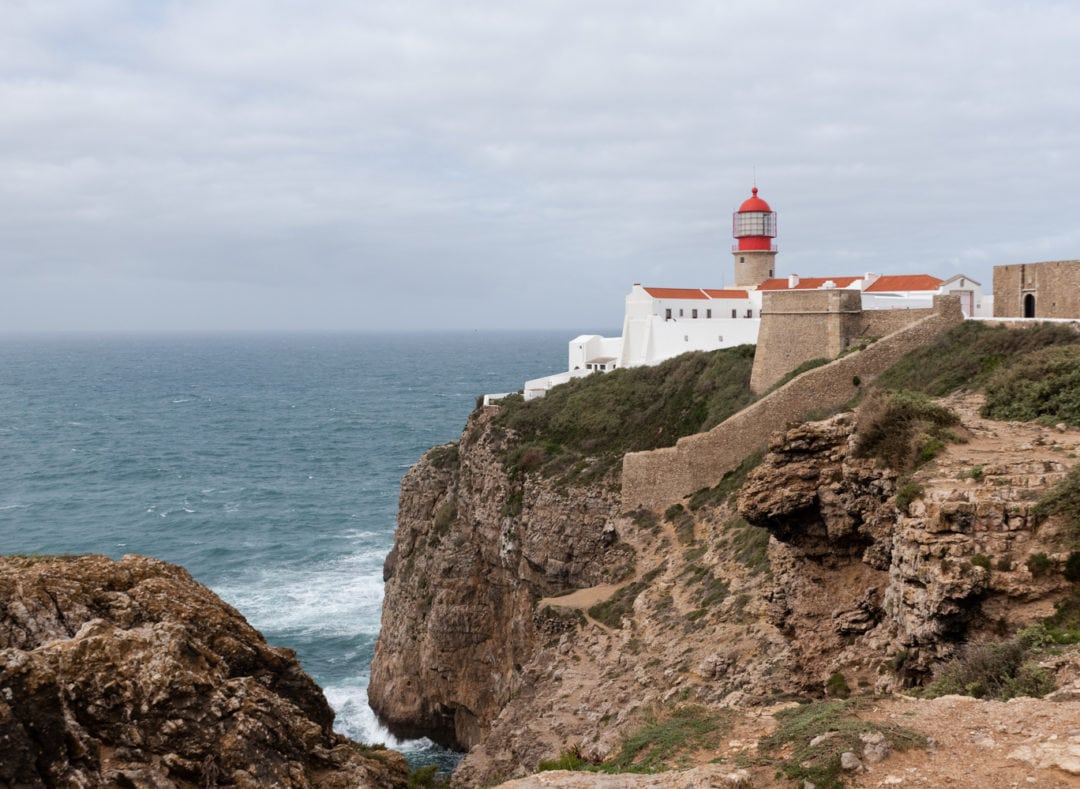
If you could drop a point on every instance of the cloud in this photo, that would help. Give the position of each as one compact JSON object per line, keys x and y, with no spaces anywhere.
{"x":514,"y":164}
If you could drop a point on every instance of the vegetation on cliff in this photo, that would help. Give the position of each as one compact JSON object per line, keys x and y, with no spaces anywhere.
{"x":968,"y":356}
{"x":604,"y":416}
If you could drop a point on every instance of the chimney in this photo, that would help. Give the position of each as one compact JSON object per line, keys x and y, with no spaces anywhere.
{"x":793,"y":280}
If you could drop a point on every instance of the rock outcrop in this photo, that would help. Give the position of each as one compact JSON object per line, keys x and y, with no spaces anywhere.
{"x":474,"y":550}
{"x":857,"y":578}
{"x":130,"y":673}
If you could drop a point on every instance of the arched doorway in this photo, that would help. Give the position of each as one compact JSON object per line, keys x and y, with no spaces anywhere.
{"x":1029,"y":305}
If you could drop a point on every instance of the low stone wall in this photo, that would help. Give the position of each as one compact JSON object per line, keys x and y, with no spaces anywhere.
{"x":660,"y":477}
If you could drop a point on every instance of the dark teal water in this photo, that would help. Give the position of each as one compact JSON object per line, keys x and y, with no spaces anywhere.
{"x":267,"y":465}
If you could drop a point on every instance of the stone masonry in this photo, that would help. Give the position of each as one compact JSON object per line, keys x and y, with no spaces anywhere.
{"x":1047,"y":290}
{"x":797,"y":326}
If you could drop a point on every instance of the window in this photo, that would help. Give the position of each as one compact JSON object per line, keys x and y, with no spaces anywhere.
{"x":708,"y":313}
{"x":749,"y":313}
{"x":686,"y":338}
{"x":680,"y":312}
{"x":733,"y":315}
{"x":693,"y":313}
{"x":667,"y":315}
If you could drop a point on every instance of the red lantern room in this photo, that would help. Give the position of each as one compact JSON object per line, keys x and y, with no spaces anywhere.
{"x":754,"y":224}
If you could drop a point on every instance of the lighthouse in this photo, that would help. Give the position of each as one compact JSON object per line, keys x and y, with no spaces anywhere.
{"x":754,"y":228}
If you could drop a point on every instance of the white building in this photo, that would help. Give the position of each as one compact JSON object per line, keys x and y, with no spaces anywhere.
{"x":661,"y":323}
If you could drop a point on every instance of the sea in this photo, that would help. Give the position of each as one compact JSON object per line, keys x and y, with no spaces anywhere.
{"x":268,"y":465}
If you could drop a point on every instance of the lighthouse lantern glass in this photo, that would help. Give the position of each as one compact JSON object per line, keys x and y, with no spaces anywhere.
{"x":755,"y":223}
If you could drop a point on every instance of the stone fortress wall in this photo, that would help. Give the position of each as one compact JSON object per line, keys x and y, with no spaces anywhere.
{"x":1051,"y":290}
{"x":660,"y":477}
{"x":797,"y":326}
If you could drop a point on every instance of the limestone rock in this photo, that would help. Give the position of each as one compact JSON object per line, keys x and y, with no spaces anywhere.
{"x":473,"y":550}
{"x":130,"y":673}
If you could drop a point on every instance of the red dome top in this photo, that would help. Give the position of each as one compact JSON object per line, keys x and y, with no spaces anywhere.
{"x":754,"y":203}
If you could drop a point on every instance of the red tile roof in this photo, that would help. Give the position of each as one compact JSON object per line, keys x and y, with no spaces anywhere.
{"x":806,"y":283}
{"x":676,"y":293}
{"x":892,"y":282}
{"x":725,"y":294}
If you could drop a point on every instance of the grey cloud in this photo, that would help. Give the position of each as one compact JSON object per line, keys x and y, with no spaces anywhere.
{"x":514,"y":164}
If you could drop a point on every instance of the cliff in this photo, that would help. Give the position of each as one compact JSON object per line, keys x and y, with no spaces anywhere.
{"x":130,"y":673}
{"x":474,"y":551}
{"x":531,"y":619}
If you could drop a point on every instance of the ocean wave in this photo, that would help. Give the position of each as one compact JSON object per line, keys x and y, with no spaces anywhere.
{"x":355,"y":719}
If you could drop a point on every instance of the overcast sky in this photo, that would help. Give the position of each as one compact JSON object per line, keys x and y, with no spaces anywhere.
{"x":277,"y":164}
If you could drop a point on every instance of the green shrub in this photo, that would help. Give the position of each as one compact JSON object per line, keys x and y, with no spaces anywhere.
{"x":1063,"y":500}
{"x":967,"y":355}
{"x":819,"y":763}
{"x":1064,"y":624}
{"x":611,"y":611}
{"x":660,"y":741}
{"x":749,"y":545}
{"x":1038,"y":564}
{"x":906,"y":494}
{"x":445,"y":456}
{"x":837,"y":686}
{"x":1072,"y":567}
{"x":980,"y":560}
{"x":1043,"y":386}
{"x":1004,"y":564}
{"x":427,"y":778}
{"x":992,"y":669}
{"x":568,"y":760}
{"x":631,"y":409}
{"x":901,"y":429}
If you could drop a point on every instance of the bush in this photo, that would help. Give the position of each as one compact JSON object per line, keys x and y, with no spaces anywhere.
{"x":901,"y":429}
{"x":980,"y":560}
{"x":631,"y":409}
{"x":816,"y":759}
{"x":1072,"y":567}
{"x":1044,"y":386}
{"x":837,"y":686}
{"x":966,"y":356}
{"x":654,"y":747}
{"x":611,"y":611}
{"x":1063,"y":500}
{"x":994,"y":669}
{"x":906,"y":494}
{"x":1038,"y":564}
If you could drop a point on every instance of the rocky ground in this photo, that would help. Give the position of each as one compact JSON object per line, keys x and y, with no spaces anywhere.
{"x":132,"y":674}
{"x":975,"y":744}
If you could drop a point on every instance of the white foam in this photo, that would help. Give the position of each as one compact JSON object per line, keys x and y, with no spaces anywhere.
{"x":355,"y":719}
{"x":341,"y":597}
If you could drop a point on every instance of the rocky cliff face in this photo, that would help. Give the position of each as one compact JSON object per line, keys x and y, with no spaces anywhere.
{"x":474,"y":550}
{"x":860,"y":581}
{"x":130,"y":673}
{"x":730,"y":602}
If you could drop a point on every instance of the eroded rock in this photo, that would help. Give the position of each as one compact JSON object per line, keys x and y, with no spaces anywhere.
{"x":130,"y":673}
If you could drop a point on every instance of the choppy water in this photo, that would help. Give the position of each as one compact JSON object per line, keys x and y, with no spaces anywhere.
{"x":267,"y":465}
